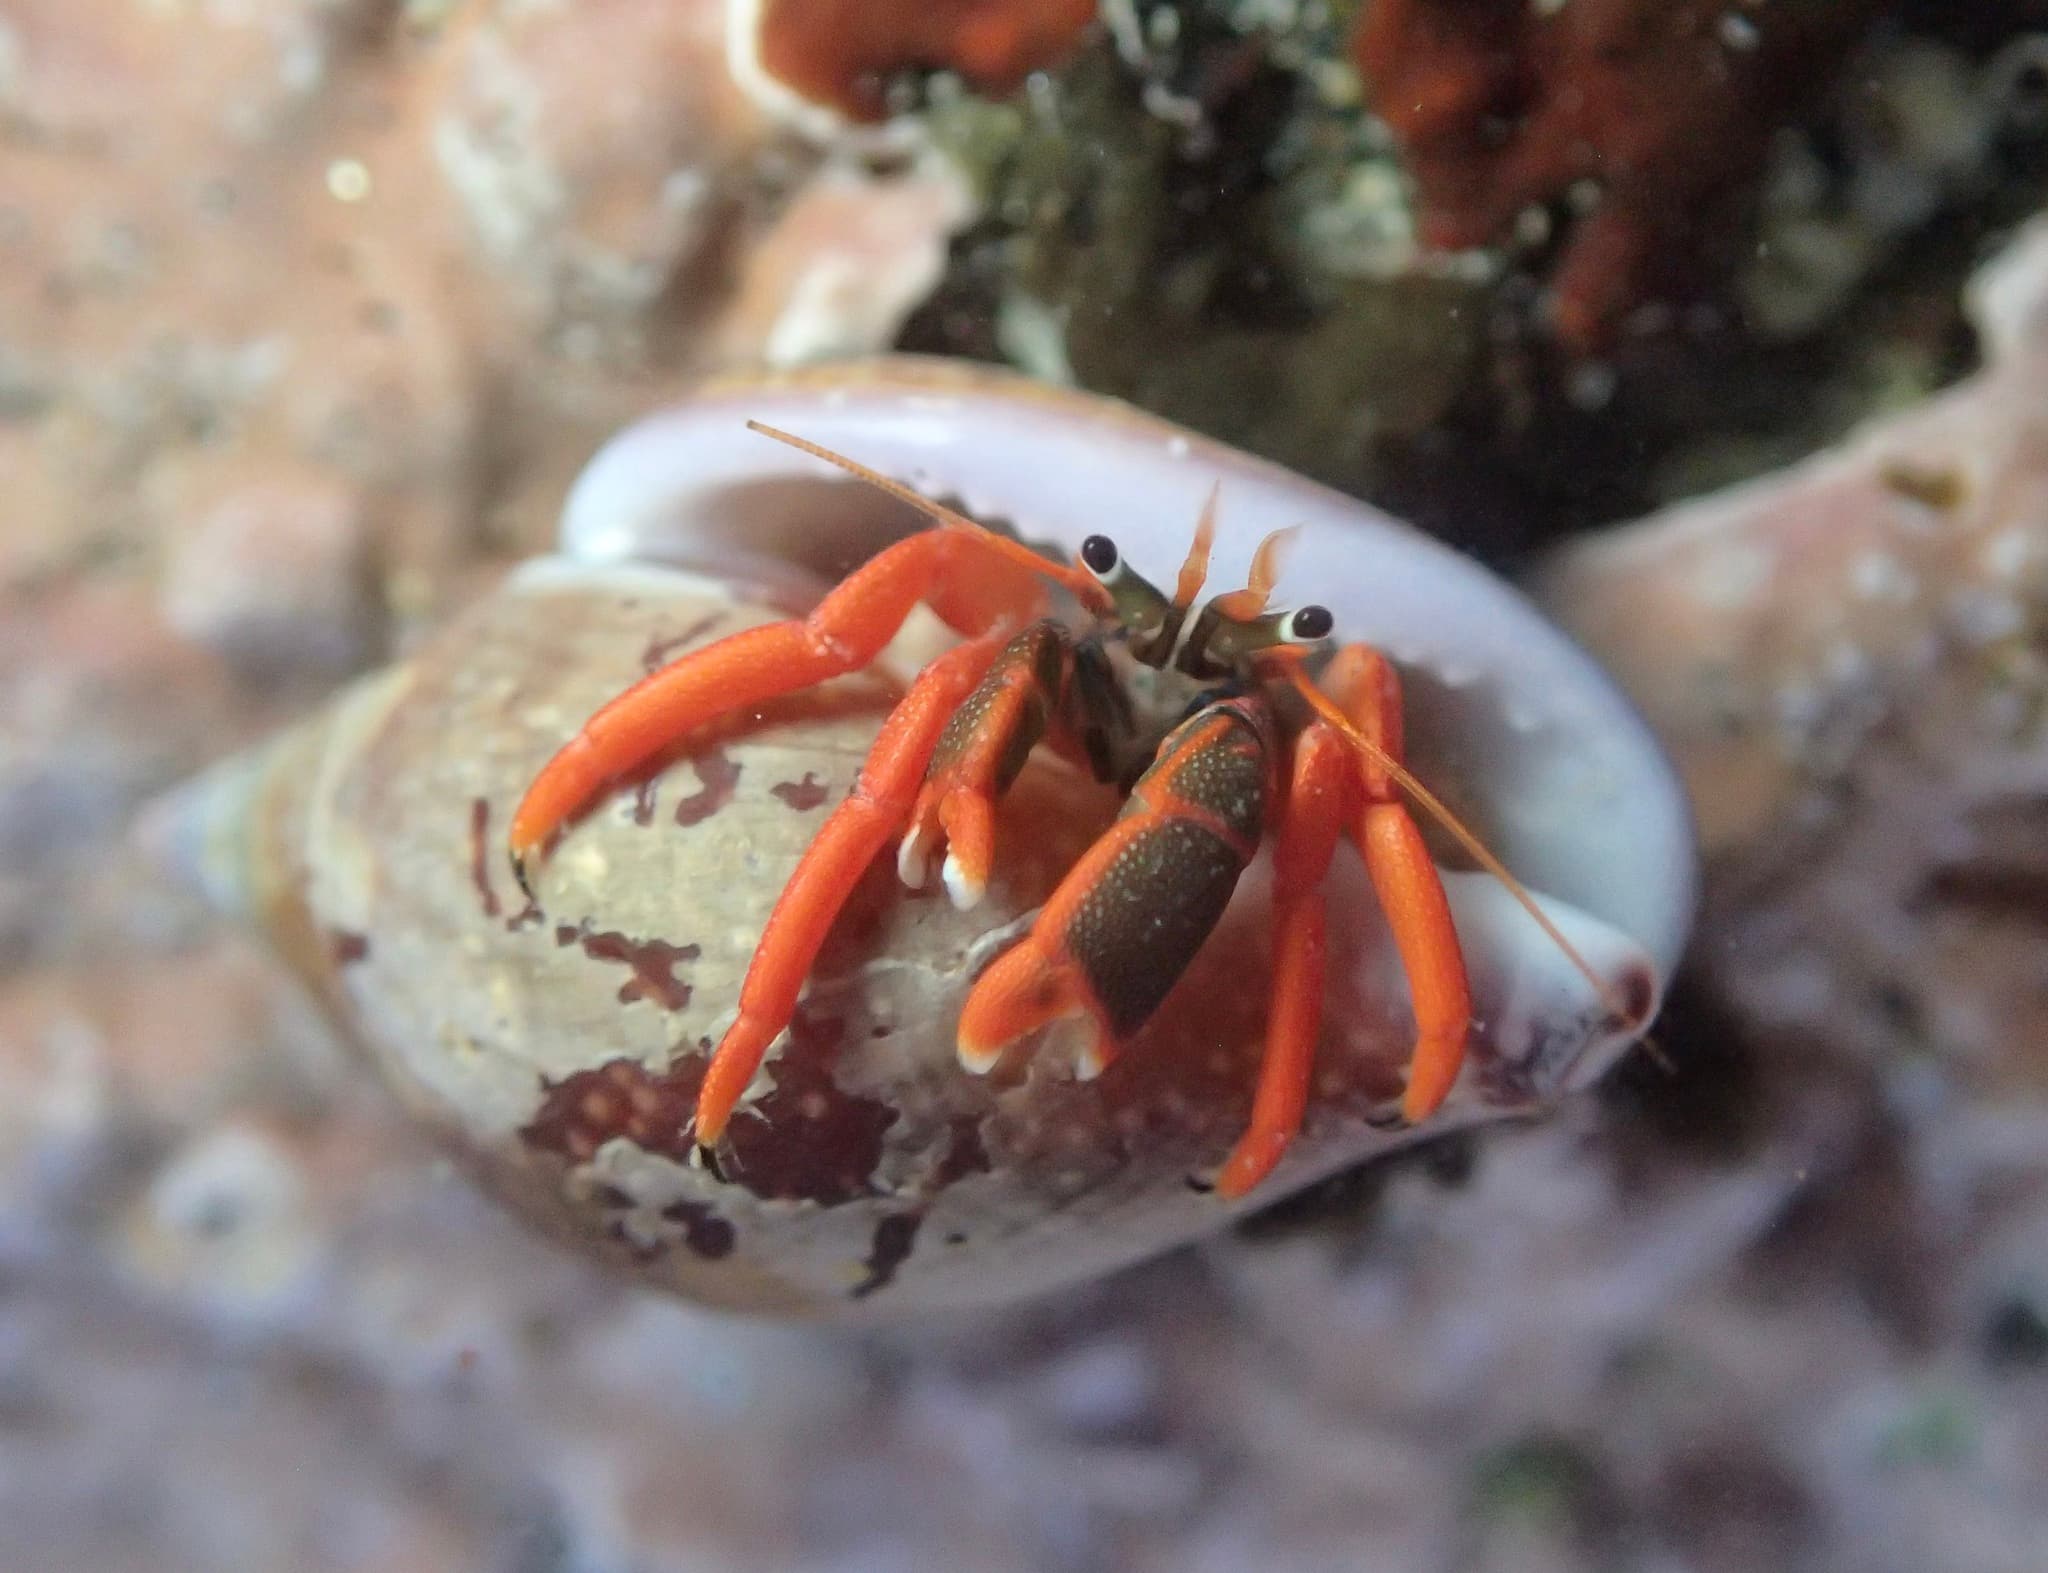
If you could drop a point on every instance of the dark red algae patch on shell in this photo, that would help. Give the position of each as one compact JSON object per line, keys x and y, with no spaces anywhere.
{"x":348,"y":947}
{"x":895,"y":1236}
{"x":895,"y":1239}
{"x":803,"y":796}
{"x":718,"y":778}
{"x":807,"y":1139}
{"x":653,"y":962}
{"x":704,"y":1232}
{"x":583,"y":1111}
{"x":965,"y":1154}
{"x":480,"y":856}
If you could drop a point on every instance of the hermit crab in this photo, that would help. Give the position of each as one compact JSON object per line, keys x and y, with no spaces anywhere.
{"x":1205,"y":750}
{"x":717,"y":1036}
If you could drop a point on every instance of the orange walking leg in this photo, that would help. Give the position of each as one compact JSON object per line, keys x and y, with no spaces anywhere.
{"x":810,"y":903}
{"x":1319,"y":801}
{"x":1366,"y":689}
{"x":844,"y":632}
{"x":1413,"y":896}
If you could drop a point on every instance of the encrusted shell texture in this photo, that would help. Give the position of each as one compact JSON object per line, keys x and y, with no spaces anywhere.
{"x":559,"y":1046}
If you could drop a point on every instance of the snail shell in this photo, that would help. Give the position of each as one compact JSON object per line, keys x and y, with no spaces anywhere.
{"x":558,"y":1047}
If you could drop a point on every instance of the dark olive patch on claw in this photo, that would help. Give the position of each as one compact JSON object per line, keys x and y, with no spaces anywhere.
{"x":803,"y":796}
{"x":718,"y":778}
{"x":895,"y":1238}
{"x":653,"y":962}
{"x":1136,"y":932}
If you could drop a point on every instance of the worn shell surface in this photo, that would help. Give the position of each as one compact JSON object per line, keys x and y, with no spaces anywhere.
{"x":559,"y":1046}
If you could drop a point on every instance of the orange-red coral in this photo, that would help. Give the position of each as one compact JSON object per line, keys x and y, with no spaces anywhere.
{"x":1666,"y":106}
{"x":843,"y":52}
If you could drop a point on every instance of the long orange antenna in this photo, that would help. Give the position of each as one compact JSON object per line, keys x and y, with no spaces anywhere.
{"x":1196,"y":569}
{"x":1439,"y":811}
{"x":1082,"y":584}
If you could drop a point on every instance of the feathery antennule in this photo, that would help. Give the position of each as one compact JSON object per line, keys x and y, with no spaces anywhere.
{"x":1439,"y":811}
{"x":1196,"y":568}
{"x":1243,"y":605}
{"x":1076,"y":580}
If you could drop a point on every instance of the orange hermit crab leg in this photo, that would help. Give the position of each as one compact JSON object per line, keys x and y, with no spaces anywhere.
{"x":1412,"y":893}
{"x":845,"y":631}
{"x":1321,"y":796}
{"x":830,"y":867}
{"x":971,"y":577}
{"x":1481,"y":854}
{"x":1363,"y":685}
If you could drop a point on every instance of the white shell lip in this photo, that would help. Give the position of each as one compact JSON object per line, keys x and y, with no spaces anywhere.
{"x":1520,"y":727}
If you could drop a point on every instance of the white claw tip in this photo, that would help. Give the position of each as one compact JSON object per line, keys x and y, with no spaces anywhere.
{"x":975,"y":1059}
{"x":964,"y":892}
{"x":912,"y":866}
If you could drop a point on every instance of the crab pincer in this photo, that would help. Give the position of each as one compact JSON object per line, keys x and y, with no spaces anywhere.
{"x":1130,"y":915}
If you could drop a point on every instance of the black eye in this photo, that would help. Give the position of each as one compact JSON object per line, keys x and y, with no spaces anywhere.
{"x":1098,"y":555}
{"x":1311,"y":622}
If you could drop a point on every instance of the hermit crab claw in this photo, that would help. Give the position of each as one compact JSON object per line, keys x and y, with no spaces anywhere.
{"x":560,"y":1043}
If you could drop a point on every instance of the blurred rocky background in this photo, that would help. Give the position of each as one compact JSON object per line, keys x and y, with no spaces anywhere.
{"x":310,"y":309}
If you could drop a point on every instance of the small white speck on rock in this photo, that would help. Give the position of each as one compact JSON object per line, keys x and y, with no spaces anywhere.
{"x":348,"y":180}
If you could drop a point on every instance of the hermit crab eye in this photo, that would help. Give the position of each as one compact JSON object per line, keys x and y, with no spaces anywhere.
{"x":1226,"y":643}
{"x":1310,"y":624}
{"x":1136,"y":606}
